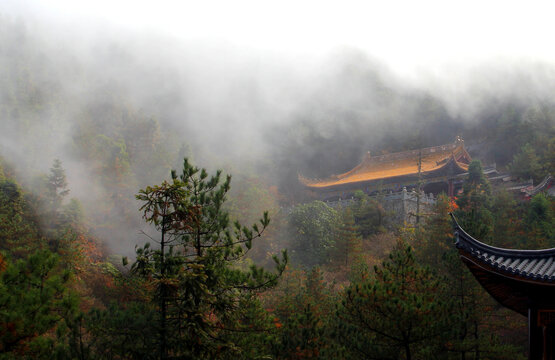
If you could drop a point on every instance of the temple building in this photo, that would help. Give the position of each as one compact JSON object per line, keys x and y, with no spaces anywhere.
{"x":437,"y":169}
{"x":521,"y":280}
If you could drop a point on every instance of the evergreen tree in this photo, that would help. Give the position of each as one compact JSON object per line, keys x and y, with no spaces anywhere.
{"x":526,"y":165}
{"x":33,"y":302}
{"x":304,"y":308}
{"x":257,"y":333}
{"x":117,"y":332}
{"x":436,"y":238}
{"x":58,"y":222}
{"x":540,"y":221}
{"x":548,"y":159}
{"x":18,"y":235}
{"x":474,"y":328}
{"x":474,"y":204}
{"x":303,"y":335}
{"x":472,"y":319}
{"x":199,"y":288}
{"x":507,"y":223}
{"x":369,"y":215}
{"x":349,"y":242}
{"x":396,"y":313}
{"x":56,"y":186}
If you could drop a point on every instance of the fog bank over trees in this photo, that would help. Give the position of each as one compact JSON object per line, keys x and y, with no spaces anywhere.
{"x":120,"y":107}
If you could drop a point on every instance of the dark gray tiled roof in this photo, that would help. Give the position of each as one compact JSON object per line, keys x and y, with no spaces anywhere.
{"x":536,"y":265}
{"x":544,"y":185}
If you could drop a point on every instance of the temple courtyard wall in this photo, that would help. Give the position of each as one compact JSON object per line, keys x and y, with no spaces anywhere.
{"x":401,"y":207}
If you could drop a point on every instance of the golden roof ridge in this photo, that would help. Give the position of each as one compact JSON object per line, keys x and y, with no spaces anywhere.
{"x":365,"y":166}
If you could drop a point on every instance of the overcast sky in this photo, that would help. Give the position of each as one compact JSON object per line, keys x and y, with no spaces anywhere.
{"x":410,"y":36}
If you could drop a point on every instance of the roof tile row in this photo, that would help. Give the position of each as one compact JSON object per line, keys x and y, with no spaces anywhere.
{"x":536,"y":265}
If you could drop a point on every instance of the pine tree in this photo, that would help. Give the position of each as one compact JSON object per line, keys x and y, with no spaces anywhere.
{"x":117,"y":332}
{"x":369,"y":215}
{"x":395,"y":313}
{"x":474,"y":317}
{"x":436,"y":238}
{"x":472,"y":330}
{"x":18,"y":235}
{"x":540,"y":222}
{"x":33,"y":302}
{"x":526,"y":165}
{"x":304,"y":305}
{"x":56,"y":186}
{"x":199,"y":287}
{"x":507,"y":224}
{"x":474,"y":213}
{"x":349,"y":243}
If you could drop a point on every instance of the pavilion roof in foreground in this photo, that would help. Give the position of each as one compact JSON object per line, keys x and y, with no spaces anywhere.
{"x":535,"y":265}
{"x":516,"y":278}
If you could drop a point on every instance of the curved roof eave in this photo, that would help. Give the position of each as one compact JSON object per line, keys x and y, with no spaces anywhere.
{"x":536,"y":266}
{"x":462,"y":236}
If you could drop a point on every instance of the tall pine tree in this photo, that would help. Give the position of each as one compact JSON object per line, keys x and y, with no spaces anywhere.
{"x":396,"y":313}
{"x":474,"y":212}
{"x":200,"y":289}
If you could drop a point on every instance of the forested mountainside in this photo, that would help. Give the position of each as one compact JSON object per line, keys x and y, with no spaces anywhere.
{"x":105,"y":254}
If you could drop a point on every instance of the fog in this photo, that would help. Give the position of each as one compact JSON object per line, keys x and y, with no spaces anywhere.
{"x":273,"y":90}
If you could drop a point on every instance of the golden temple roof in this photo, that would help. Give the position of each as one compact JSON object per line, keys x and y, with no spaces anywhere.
{"x":398,"y":164}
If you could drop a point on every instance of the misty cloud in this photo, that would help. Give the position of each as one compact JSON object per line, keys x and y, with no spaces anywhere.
{"x":235,"y":106}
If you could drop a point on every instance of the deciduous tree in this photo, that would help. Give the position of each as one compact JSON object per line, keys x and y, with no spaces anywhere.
{"x":314,"y":228}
